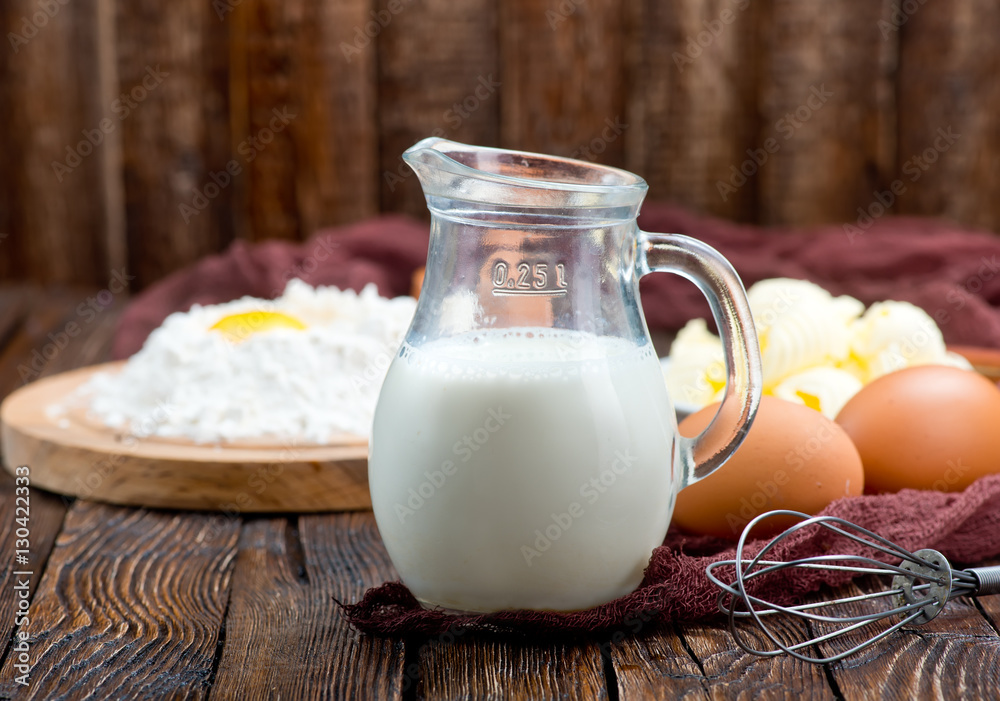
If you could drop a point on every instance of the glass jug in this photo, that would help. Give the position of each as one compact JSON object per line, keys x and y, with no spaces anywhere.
{"x":524,"y":452}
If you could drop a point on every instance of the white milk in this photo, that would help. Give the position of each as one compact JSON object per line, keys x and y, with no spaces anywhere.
{"x":523,"y":468}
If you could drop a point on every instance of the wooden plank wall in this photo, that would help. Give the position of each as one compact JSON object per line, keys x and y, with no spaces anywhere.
{"x":254,"y":119}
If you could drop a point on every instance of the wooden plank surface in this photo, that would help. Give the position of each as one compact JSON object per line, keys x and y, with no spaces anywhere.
{"x":693,"y":102}
{"x":703,"y":661}
{"x":563,"y":67}
{"x":948,"y":66}
{"x":693,"y":90}
{"x":460,"y":668}
{"x":28,"y":322}
{"x":55,"y":225}
{"x":45,"y":334}
{"x":736,"y":674}
{"x":46,"y":514}
{"x":990,"y":605}
{"x":172,"y":111}
{"x":92,"y":605}
{"x":13,"y":309}
{"x":698,"y":82}
{"x":284,"y":635}
{"x":50,"y":332}
{"x":131,"y":604}
{"x":955,"y":655}
{"x":826,"y":101}
{"x":337,"y":149}
{"x":657,"y":665}
{"x":438,"y":75}
{"x":271,"y":42}
{"x":304,"y":129}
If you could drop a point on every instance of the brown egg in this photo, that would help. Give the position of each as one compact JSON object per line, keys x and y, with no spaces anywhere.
{"x":416,"y":282}
{"x":926,"y":427}
{"x":792,"y":458}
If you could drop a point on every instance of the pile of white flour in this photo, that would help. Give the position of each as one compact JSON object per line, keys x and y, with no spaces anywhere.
{"x":275,"y":386}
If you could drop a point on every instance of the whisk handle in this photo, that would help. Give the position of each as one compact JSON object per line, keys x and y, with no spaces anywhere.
{"x":987,"y":579}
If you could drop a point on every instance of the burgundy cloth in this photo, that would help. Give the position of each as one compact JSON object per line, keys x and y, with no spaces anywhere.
{"x":951,"y":273}
{"x":964,"y":526}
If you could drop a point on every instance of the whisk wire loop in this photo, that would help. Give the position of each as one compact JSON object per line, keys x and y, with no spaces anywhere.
{"x":922,"y":584}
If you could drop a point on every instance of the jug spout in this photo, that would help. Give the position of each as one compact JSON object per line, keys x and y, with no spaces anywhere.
{"x":492,"y":176}
{"x":429,"y":160}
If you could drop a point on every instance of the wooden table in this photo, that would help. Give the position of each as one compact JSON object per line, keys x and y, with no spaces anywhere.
{"x":129,"y":603}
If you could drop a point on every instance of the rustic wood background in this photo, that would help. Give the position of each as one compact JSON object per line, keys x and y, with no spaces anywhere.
{"x":697,"y":82}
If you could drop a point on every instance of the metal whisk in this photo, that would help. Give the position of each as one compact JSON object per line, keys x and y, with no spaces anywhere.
{"x":922,"y":584}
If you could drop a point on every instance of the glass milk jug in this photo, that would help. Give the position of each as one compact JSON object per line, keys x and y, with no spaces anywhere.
{"x":524,"y":453}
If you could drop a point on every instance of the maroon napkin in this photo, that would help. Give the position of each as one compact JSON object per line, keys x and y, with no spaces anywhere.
{"x":964,"y":526}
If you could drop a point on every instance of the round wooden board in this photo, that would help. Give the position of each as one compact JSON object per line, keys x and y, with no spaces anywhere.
{"x":79,"y":458}
{"x":986,"y":361}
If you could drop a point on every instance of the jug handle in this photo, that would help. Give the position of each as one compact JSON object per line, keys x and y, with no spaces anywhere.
{"x":719,"y":282}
